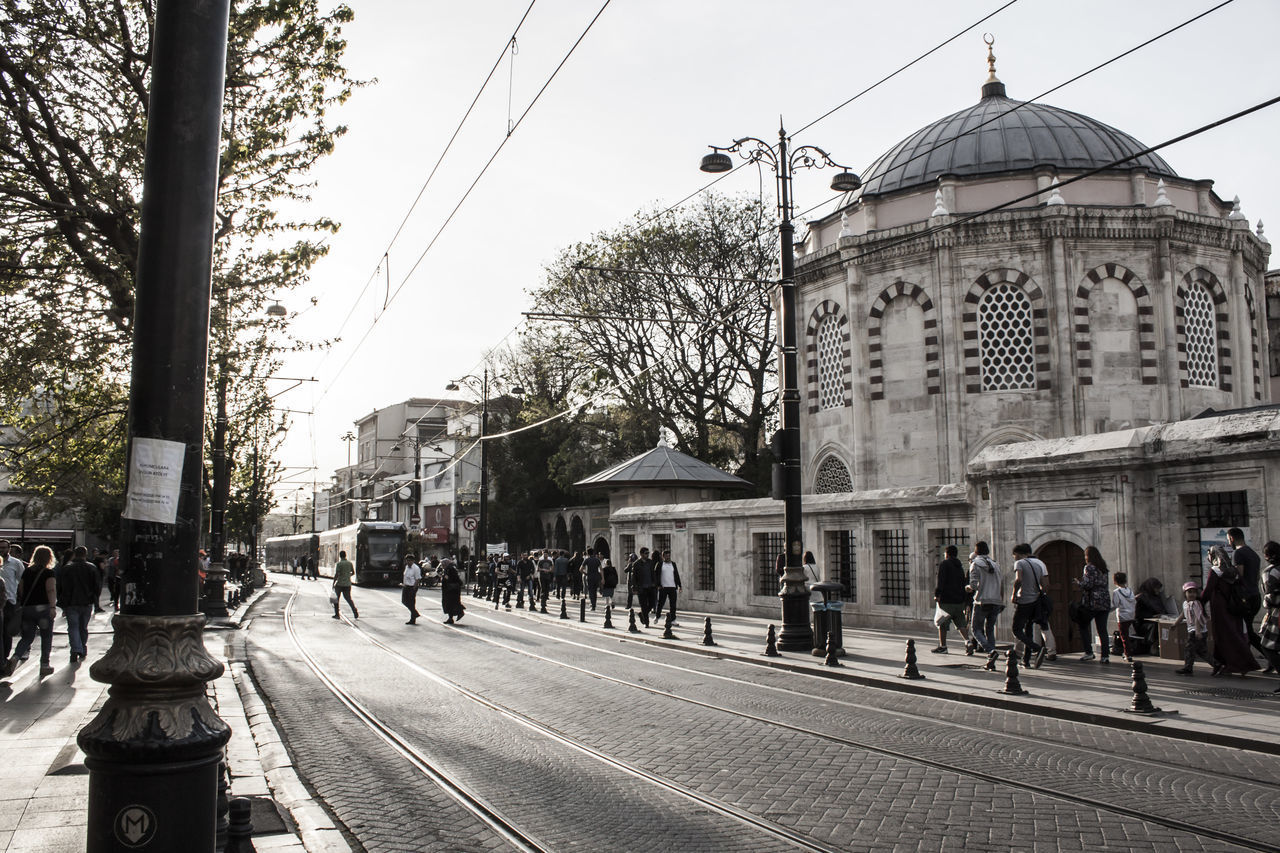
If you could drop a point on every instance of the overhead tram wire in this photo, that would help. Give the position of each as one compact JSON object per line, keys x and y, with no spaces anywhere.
{"x":457,"y":130}
{"x":392,"y":297}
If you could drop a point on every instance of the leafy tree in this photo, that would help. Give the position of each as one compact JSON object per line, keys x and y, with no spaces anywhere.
{"x":74,"y":77}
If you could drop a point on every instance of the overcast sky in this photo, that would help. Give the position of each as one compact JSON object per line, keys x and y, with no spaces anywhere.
{"x":624,"y":123}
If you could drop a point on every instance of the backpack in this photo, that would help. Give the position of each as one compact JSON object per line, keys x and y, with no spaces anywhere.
{"x":1233,"y":592}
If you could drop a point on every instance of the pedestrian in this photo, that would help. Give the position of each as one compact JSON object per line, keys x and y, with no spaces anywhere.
{"x":113,"y":574}
{"x":986,"y":584}
{"x":409,"y":587}
{"x":1230,"y":639}
{"x":1040,"y":628}
{"x":451,"y":592}
{"x":667,"y":576}
{"x":608,"y":581}
{"x":1095,"y":604}
{"x":313,"y":563}
{"x":1028,"y":576}
{"x":77,"y":592}
{"x":11,"y":568}
{"x":642,"y":577}
{"x":99,"y":566}
{"x":950,"y":597}
{"x":546,"y":574}
{"x":38,"y":599}
{"x":809,"y":567}
{"x":1249,"y":567}
{"x":500,"y":576}
{"x":482,"y":578}
{"x":592,"y":567}
{"x":629,"y":570}
{"x":575,"y":574}
{"x":525,"y":570}
{"x":1197,"y":631}
{"x":343,"y":572}
{"x":561,"y":564}
{"x":1125,"y":604}
{"x":1269,"y":635}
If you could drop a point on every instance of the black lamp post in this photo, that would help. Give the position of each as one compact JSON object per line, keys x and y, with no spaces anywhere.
{"x":482,"y":543}
{"x":797,"y":635}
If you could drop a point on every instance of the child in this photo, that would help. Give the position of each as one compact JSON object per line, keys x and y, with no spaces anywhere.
{"x":1197,"y":630}
{"x":1124,"y":604}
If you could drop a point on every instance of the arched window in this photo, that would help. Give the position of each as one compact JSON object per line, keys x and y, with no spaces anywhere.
{"x":1202,"y":338}
{"x":1005,"y":339}
{"x":830,"y":363}
{"x":833,"y":477}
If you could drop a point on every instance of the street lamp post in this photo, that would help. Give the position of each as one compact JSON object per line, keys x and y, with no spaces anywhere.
{"x":796,"y":634}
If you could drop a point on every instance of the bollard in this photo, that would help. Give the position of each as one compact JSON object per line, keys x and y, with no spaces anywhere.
{"x":991,"y":661}
{"x":911,"y":670}
{"x":240,"y":832}
{"x":771,"y":643}
{"x":667,"y":633}
{"x":1141,"y":702}
{"x":582,"y":611}
{"x":608,"y":617}
{"x":632,"y":629}
{"x":224,"y":786}
{"x":706,"y":633}
{"x":564,"y":609}
{"x":833,"y":652}
{"x":1012,"y":686}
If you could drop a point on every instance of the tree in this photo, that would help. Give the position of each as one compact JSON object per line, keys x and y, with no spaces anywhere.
{"x":74,"y":77}
{"x":674,"y":315}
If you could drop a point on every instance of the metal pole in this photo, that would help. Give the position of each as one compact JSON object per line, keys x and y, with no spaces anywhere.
{"x":482,"y":542}
{"x":153,"y":749}
{"x":797,"y":633}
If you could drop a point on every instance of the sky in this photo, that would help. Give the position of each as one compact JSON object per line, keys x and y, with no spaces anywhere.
{"x":622,"y":126}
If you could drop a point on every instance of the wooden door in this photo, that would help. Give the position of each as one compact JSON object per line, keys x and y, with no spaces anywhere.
{"x":1063,"y":560}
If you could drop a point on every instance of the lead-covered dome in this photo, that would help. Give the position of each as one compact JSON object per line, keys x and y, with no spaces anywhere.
{"x":999,"y":135}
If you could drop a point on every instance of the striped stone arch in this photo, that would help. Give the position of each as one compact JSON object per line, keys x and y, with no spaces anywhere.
{"x":1253,"y":342}
{"x":1146,"y":323}
{"x":1039,"y":326}
{"x":1200,"y":275}
{"x":825,"y":309}
{"x":932,"y":350}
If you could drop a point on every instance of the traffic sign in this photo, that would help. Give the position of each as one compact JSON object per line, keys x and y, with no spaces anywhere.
{"x":470,"y":522}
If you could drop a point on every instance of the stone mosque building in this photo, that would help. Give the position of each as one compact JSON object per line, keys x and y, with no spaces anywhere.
{"x":1009,"y":335}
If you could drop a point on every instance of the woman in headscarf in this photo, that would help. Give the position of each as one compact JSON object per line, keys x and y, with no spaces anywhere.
{"x":1230,"y":639}
{"x":451,"y":591}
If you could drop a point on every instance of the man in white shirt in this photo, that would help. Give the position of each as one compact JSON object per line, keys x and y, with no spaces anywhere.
{"x":668,"y":577}
{"x":11,"y":572}
{"x":409,"y":587}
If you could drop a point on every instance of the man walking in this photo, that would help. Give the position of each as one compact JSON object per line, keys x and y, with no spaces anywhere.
{"x":1249,"y":568}
{"x":950,"y":596}
{"x":562,"y":573}
{"x":342,"y":575}
{"x":77,"y":592}
{"x":592,"y":567}
{"x":668,"y":579}
{"x":642,"y":578}
{"x":409,"y":587}
{"x":11,"y":568}
{"x":524,"y":575}
{"x":1028,"y":572}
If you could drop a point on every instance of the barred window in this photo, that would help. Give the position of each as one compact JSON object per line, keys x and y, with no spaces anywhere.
{"x":1202,"y":338}
{"x":833,"y":477}
{"x":1005,"y":339}
{"x":626,"y":545}
{"x":704,"y":561}
{"x":893,"y":554}
{"x":661,"y":542}
{"x":767,"y":548}
{"x":939,"y":539}
{"x":830,"y":364}
{"x":842,"y":562}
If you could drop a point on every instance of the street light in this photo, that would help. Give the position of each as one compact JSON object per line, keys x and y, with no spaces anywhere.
{"x":481,"y":530}
{"x":796,"y":634}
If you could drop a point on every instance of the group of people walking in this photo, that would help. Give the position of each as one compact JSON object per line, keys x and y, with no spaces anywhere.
{"x":1236,"y":589}
{"x":33,"y":593}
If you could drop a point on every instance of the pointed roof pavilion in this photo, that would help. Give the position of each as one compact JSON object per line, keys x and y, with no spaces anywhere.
{"x":662,"y":467}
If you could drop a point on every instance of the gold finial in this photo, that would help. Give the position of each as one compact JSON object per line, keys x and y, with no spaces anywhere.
{"x":991,"y":58}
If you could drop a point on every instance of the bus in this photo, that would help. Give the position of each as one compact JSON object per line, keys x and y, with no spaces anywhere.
{"x":282,"y":552}
{"x":377,"y":549}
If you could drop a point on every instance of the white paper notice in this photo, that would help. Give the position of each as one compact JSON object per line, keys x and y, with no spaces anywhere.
{"x":155,"y":479}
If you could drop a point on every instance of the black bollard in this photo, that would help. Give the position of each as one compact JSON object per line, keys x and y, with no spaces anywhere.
{"x":910,"y":670}
{"x":240,"y":832}
{"x":706,"y":633}
{"x":833,"y":651}
{"x":771,"y":643}
{"x":632,"y":629}
{"x":667,"y":633}
{"x":564,"y":609}
{"x":1141,"y":702}
{"x":608,"y":617}
{"x":582,"y":611}
{"x":1012,"y":686}
{"x":224,"y":805}
{"x":992,"y":657}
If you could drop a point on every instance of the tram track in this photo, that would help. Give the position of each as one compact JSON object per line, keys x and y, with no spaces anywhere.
{"x":1101,"y":805}
{"x":484,"y":810}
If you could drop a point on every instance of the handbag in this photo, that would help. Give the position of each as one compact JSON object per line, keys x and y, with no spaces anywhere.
{"x":1044,"y":608}
{"x":333,"y":597}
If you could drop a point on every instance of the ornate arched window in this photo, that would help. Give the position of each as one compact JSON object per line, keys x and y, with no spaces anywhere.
{"x":1202,"y":337}
{"x":1005,"y":339}
{"x":830,"y":363}
{"x":833,"y":477}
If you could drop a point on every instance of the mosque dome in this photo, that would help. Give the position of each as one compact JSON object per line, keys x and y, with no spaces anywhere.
{"x":1000,"y":135}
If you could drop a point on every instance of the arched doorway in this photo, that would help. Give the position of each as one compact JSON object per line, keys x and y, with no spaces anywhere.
{"x":1063,"y":559}
{"x":602,"y":547}
{"x":577,"y":536}
{"x":561,"y":539}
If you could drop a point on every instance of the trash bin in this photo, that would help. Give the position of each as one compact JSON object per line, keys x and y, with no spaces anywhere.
{"x":835,"y":613}
{"x":826,"y":617}
{"x":819,"y":628}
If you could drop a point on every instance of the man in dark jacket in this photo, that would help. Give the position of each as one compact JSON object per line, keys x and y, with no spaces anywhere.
{"x":643,"y":580}
{"x":951,"y":598}
{"x":77,"y":593}
{"x":1249,"y":567}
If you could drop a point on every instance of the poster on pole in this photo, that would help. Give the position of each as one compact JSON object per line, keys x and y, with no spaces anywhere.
{"x":155,"y":479}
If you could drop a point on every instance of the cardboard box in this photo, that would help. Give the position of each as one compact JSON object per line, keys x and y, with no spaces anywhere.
{"x":1173,"y":638}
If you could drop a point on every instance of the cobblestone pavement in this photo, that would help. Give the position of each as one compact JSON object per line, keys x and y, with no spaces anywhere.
{"x":851,"y":790}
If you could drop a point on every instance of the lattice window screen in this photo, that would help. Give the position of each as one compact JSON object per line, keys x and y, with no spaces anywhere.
{"x":1005,"y":339}
{"x":767,"y":548}
{"x":842,"y":562}
{"x":833,"y":477}
{"x":894,"y":554}
{"x":1202,"y":338}
{"x":704,"y":551}
{"x":830,"y":364}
